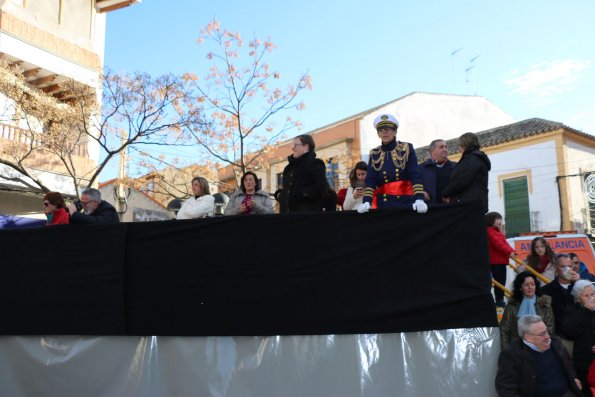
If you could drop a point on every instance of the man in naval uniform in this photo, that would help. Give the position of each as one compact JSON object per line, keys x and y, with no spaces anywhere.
{"x":393,"y":178}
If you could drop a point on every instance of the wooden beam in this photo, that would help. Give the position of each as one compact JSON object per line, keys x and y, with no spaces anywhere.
{"x":62,"y":94}
{"x":114,"y":6}
{"x":51,"y":88}
{"x":44,"y":80}
{"x":31,"y":72}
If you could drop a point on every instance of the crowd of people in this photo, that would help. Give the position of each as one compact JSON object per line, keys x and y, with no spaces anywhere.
{"x":391,"y":178}
{"x":542,"y":322}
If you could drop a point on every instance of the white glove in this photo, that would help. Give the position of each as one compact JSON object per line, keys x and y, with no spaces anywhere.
{"x":363,"y":207}
{"x":420,"y":207}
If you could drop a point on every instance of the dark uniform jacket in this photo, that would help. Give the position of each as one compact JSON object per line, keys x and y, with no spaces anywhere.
{"x":429,"y":173}
{"x":516,"y":374}
{"x":469,"y":179}
{"x":393,"y":162}
{"x":304,"y":184}
{"x":105,"y":213}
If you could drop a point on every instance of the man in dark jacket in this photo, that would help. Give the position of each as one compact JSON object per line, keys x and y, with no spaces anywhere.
{"x":95,"y":210}
{"x":469,"y":178}
{"x":304,"y":179}
{"x":536,"y":364}
{"x":435,"y":171}
{"x":560,"y":289}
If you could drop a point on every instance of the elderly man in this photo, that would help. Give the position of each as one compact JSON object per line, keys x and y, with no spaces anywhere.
{"x":393,"y":178}
{"x":560,"y":289}
{"x":436,"y":171}
{"x":94,"y":209}
{"x":536,"y":364}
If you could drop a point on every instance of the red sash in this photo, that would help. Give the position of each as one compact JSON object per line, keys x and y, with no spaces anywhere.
{"x":398,"y":188}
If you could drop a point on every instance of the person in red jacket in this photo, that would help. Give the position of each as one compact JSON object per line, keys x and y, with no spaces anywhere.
{"x":500,"y":252}
{"x":54,"y":209}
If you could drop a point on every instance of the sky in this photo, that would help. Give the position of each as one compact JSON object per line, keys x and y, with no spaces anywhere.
{"x":532,"y":58}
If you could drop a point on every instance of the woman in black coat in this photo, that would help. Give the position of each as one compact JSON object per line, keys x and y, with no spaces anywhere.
{"x":578,"y":323}
{"x":304,"y":179}
{"x":469,"y":178}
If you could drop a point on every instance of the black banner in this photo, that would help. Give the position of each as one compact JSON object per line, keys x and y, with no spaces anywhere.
{"x":289,"y":274}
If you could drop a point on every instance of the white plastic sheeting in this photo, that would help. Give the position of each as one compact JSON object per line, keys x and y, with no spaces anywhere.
{"x":449,"y":363}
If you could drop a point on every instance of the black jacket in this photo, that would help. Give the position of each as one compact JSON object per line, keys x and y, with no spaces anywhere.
{"x":579,"y":324}
{"x":429,"y":174}
{"x":515,"y":376}
{"x":561,"y":299}
{"x":469,"y":178}
{"x":105,"y":213}
{"x":304,"y":184}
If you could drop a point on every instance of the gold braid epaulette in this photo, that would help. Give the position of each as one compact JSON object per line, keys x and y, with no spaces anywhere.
{"x":399,"y":155}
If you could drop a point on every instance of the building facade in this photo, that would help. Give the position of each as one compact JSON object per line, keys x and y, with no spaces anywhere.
{"x":56,"y":44}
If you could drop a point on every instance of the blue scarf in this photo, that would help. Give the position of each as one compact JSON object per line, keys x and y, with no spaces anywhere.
{"x":527,"y":307}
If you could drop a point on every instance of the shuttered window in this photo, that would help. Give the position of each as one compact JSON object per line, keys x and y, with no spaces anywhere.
{"x":516,"y":206}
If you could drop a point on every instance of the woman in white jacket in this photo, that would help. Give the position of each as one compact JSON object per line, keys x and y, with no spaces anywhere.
{"x":249,"y":199}
{"x":355,"y":192}
{"x":201,"y":204}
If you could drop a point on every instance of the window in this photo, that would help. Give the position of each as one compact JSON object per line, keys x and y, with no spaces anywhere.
{"x":279,"y":180}
{"x":516,"y":206}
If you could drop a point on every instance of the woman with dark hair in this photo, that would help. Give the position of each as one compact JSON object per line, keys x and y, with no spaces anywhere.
{"x":469,"y":178}
{"x":541,"y":258}
{"x":355,"y":192}
{"x":500,"y":252}
{"x":200,"y":204}
{"x":526,"y":299}
{"x":249,"y":199}
{"x":304,"y":179}
{"x":54,"y":209}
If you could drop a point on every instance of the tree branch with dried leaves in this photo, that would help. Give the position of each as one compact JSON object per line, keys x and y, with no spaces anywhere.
{"x":243,"y":100}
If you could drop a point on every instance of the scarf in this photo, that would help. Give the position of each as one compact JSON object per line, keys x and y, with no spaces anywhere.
{"x":245,"y":201}
{"x":527,"y":307}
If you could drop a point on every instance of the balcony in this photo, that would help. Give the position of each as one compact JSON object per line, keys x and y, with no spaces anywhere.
{"x":20,"y":135}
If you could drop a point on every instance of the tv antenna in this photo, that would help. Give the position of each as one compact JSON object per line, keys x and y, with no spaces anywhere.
{"x":452,"y":68}
{"x":470,"y":76}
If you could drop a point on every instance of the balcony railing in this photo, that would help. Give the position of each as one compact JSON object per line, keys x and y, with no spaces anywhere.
{"x":20,"y":135}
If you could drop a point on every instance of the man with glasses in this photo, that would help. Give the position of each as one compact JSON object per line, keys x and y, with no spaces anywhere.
{"x":94,"y":209}
{"x":536,"y":364}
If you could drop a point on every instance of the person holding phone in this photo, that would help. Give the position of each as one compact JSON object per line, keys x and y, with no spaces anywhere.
{"x":355,"y":192}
